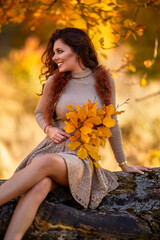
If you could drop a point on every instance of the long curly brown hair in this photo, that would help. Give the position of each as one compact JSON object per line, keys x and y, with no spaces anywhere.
{"x":79,"y":42}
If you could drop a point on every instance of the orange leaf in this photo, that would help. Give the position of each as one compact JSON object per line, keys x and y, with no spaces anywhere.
{"x":77,"y":134}
{"x":70,"y":107}
{"x":143,"y":82}
{"x":74,"y":145}
{"x":90,"y":104}
{"x":106,"y":131}
{"x":69,"y":128}
{"x":96,"y":120}
{"x":97,"y":165}
{"x":87,"y":123}
{"x":128,"y":34}
{"x":102,"y":142}
{"x":148,"y":63}
{"x":119,"y":112}
{"x":85,"y":108}
{"x":85,"y":138}
{"x":94,"y":155}
{"x":109,"y":122}
{"x":82,"y":116}
{"x":72,"y":139}
{"x":91,"y":148}
{"x":85,"y":130}
{"x":109,"y":110}
{"x":82,"y":153}
{"x":91,"y":163}
{"x":131,"y":68}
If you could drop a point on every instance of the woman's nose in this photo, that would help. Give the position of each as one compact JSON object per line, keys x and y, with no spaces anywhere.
{"x":54,"y":57}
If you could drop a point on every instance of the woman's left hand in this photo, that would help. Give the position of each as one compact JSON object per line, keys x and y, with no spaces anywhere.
{"x":138,"y":169}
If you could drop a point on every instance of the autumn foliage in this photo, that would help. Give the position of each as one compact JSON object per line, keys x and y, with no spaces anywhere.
{"x":90,"y":127}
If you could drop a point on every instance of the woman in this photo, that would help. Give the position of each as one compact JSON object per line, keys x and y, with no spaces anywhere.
{"x":73,"y":76}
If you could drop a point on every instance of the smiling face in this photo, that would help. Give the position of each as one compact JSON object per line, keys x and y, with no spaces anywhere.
{"x":65,"y":58}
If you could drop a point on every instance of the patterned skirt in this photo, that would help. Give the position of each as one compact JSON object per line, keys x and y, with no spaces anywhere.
{"x":87,"y":186}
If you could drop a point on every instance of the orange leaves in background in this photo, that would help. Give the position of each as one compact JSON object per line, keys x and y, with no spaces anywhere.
{"x":143,"y":82}
{"x":90,"y":127}
{"x":148,"y":63}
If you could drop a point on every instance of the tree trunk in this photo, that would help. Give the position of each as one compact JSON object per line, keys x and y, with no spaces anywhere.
{"x":132,"y":211}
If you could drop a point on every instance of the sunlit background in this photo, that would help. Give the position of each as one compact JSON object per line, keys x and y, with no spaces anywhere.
{"x":21,"y":47}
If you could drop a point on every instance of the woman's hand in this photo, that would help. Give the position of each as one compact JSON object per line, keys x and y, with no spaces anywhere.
{"x":56,"y":134}
{"x":138,"y":169}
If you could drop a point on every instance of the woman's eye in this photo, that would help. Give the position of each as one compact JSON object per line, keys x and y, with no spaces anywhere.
{"x":60,"y":51}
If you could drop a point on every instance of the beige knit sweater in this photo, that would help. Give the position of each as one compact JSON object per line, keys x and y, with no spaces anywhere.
{"x":78,"y":90}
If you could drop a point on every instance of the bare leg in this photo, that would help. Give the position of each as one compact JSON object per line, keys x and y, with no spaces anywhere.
{"x":49,"y":165}
{"x":27,"y":207}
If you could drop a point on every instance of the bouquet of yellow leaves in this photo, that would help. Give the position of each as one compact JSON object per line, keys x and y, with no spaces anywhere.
{"x":90,"y":127}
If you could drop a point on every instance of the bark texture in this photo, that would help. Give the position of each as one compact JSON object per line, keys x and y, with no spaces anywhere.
{"x":132,"y":211}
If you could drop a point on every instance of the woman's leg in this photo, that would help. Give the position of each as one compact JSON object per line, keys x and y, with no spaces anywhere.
{"x":27,"y":207}
{"x":49,"y":165}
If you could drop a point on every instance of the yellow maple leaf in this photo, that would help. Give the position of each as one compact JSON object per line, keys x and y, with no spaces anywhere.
{"x":77,"y":134}
{"x":106,"y":131}
{"x":74,"y":145}
{"x":78,"y":108}
{"x":73,"y":116}
{"x":90,"y":104}
{"x":119,"y":112}
{"x":85,"y":130}
{"x":81,"y":114}
{"x":88,"y":123}
{"x":148,"y":63}
{"x":82,"y":153}
{"x":99,"y":132}
{"x":91,"y":148}
{"x":92,"y":113}
{"x":131,"y":68}
{"x":70,"y":107}
{"x":85,"y":108}
{"x":101,"y":111}
{"x":96,"y":120}
{"x":85,"y":138}
{"x":102,"y":142}
{"x":97,"y":141}
{"x":91,"y":163}
{"x":97,"y":165}
{"x":72,"y":139}
{"x":109,"y":110}
{"x":92,"y":135}
{"x":143,"y":82}
{"x":69,"y":128}
{"x":94,"y":155}
{"x":109,"y":122}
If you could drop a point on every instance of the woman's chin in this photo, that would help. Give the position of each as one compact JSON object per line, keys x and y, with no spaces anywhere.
{"x":61,"y":70}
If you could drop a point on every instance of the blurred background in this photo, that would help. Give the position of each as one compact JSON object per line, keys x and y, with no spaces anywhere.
{"x":126,"y":37}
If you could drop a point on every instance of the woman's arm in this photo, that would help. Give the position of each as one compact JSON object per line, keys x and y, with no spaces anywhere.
{"x":39,"y":112}
{"x":57,"y":135}
{"x":116,"y":142}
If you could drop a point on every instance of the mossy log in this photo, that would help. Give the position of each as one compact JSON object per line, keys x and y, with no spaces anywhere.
{"x":132,"y":211}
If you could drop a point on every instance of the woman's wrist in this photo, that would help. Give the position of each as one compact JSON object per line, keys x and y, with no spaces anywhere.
{"x":122,"y":164}
{"x":46,"y":129}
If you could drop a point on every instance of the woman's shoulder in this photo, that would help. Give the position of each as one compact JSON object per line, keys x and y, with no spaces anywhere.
{"x":50,"y":79}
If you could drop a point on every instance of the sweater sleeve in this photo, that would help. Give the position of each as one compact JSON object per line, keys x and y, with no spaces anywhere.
{"x":116,"y":138}
{"x":39,"y":112}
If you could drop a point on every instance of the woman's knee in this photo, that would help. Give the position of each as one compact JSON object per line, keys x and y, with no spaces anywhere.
{"x":45,"y":162}
{"x":41,"y":189}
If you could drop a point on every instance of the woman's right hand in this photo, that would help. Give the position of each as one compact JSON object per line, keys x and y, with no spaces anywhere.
{"x":56,"y":134}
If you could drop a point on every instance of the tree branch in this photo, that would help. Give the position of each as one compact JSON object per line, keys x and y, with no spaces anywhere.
{"x":147,"y":96}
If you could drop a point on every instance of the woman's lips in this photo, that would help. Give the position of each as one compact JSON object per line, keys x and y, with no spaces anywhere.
{"x":59,"y":65}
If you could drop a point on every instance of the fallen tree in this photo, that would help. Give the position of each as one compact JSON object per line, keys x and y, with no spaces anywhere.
{"x":132,"y":211}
